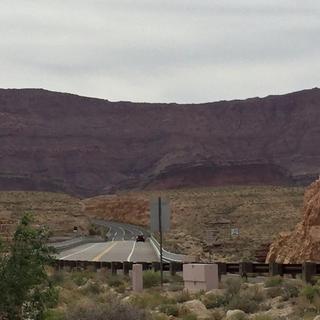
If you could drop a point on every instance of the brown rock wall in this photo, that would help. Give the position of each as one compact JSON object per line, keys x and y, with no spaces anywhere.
{"x":303,"y":243}
{"x":84,"y":146}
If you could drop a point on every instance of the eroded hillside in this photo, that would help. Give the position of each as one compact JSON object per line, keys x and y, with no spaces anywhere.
{"x":85,"y":146}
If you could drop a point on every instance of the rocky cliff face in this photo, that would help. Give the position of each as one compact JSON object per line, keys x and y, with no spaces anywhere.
{"x":303,"y":243}
{"x":84,"y":146}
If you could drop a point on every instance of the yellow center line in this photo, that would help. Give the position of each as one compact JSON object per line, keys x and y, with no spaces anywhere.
{"x":99,"y":256}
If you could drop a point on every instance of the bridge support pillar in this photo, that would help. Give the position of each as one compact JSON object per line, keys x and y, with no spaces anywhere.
{"x":173,"y":268}
{"x":309,"y":269}
{"x":126,"y":267}
{"x":114,"y":268}
{"x":137,"y":278}
{"x":275,"y":269}
{"x":156,"y":266}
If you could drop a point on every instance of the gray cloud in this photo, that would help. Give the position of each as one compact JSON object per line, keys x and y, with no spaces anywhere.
{"x":169,"y":50}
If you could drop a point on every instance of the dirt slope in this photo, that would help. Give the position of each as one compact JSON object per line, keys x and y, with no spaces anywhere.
{"x":59,"y":212}
{"x":84,"y":146}
{"x":259,"y":213}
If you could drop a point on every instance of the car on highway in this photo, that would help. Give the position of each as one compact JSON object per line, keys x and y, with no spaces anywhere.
{"x":140,"y":238}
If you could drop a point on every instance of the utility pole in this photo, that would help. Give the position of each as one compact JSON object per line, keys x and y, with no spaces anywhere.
{"x":160,"y":231}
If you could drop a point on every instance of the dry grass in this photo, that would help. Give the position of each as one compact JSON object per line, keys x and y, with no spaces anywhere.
{"x":58,"y":211}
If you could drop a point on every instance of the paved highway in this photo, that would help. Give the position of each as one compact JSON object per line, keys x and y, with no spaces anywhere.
{"x":126,"y":250}
{"x":120,"y":247}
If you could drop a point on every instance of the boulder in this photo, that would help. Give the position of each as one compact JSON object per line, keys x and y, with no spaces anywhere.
{"x":198,"y":308}
{"x":236,"y":315}
{"x":216,"y":292}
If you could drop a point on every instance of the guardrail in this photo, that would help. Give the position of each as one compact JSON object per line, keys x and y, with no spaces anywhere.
{"x":74,"y":242}
{"x":166,"y":256}
{"x":244,"y":269}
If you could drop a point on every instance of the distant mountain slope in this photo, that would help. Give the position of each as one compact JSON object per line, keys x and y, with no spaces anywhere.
{"x":85,"y":146}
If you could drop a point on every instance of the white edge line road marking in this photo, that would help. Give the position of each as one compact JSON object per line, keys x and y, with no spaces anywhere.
{"x":131,"y":253}
{"x":114,"y":236}
{"x":83,"y":250}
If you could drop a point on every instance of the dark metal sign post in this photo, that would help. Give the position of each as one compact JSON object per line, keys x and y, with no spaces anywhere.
{"x":160,"y":231}
{"x":160,"y":222}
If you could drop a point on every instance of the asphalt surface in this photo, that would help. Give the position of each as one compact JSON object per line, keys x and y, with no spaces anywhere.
{"x":121,"y":246}
{"x":125,"y":250}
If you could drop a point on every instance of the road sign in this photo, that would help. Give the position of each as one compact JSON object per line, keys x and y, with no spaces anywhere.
{"x":234,"y":232}
{"x":210,"y":236}
{"x":165,"y":215}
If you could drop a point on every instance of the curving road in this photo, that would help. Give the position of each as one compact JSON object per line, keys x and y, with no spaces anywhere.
{"x":120,"y":247}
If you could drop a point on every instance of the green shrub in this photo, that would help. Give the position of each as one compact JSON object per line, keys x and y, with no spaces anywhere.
{"x":57,"y":277}
{"x":183,"y":296}
{"x":114,"y":281}
{"x":151,"y":279}
{"x":53,"y":315}
{"x":169,"y":309}
{"x":244,"y":303}
{"x":290,"y":290}
{"x":113,"y":310}
{"x":92,"y":288}
{"x":310,"y":292}
{"x":273,"y":282}
{"x":212,"y":301}
{"x":121,"y":288}
{"x":80,"y":278}
{"x":232,"y":286}
{"x":150,"y":300}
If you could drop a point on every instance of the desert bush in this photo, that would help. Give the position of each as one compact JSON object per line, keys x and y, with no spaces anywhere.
{"x":53,"y":315}
{"x":244,"y":303}
{"x":114,"y":310}
{"x":247,"y":300}
{"x":310,"y":292}
{"x":273,"y":292}
{"x":57,"y":277}
{"x":175,"y":287}
{"x":183,"y":296}
{"x":25,"y":288}
{"x":150,"y":300}
{"x":114,"y":281}
{"x":80,"y":278}
{"x":92,"y":288}
{"x":169,"y":309}
{"x":290,"y":289}
{"x":151,"y":279}
{"x":212,"y":301}
{"x":273,"y":282}
{"x":232,"y":286}
{"x":173,"y":279}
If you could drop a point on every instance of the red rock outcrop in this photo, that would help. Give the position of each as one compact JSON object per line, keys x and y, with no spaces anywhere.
{"x":303,"y":243}
{"x":84,"y":146}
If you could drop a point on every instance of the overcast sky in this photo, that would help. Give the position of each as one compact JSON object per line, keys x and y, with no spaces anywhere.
{"x":161,"y":51}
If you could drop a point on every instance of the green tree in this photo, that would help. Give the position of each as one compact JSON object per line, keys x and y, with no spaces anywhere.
{"x":25,"y":289}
